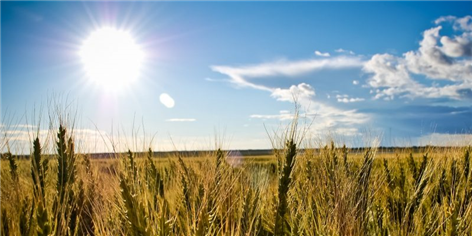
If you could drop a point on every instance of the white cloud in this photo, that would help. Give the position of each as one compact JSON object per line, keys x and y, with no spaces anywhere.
{"x":438,"y":57}
{"x":345,"y":99}
{"x":464,"y":23}
{"x":340,"y":50}
{"x":242,"y":75}
{"x":458,"y":46}
{"x":281,"y":116}
{"x":326,"y":117}
{"x":215,"y":80}
{"x":321,"y":54}
{"x":301,"y":93}
{"x":438,"y":62}
{"x":349,"y":100}
{"x":390,"y":73}
{"x":444,"y":19}
{"x":448,"y":60}
{"x":181,"y":120}
{"x":167,"y":100}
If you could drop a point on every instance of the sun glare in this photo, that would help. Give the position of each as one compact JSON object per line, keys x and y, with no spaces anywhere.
{"x":112,"y":59}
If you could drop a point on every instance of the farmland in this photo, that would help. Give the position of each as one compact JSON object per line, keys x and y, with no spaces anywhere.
{"x":327,"y":190}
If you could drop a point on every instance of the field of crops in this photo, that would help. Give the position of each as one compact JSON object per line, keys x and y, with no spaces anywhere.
{"x":325,"y":191}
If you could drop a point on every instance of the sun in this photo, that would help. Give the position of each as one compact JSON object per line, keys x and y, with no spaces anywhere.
{"x":111,"y":58}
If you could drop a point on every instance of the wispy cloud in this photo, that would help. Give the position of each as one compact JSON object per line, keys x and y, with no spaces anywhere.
{"x":181,"y":120}
{"x":281,"y":116}
{"x":322,"y":54}
{"x":242,"y":75}
{"x":444,"y":19}
{"x":215,"y":80}
{"x":340,"y":50}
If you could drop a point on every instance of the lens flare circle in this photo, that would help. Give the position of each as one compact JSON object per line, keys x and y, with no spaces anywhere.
{"x":167,"y":100}
{"x":112,"y":58}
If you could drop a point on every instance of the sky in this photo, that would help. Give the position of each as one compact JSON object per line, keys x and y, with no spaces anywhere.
{"x":229,"y":72}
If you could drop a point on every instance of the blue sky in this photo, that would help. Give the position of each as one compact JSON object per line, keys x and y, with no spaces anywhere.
{"x":402,"y":70}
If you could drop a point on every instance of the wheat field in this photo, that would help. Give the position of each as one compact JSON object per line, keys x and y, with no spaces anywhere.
{"x":328,"y":190}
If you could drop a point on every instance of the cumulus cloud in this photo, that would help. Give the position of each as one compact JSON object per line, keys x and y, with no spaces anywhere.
{"x":181,"y":120}
{"x":389,"y":72}
{"x":321,"y":54}
{"x":458,"y":46}
{"x":301,"y":93}
{"x":441,"y":62}
{"x":464,"y":23}
{"x":438,"y":58}
{"x":355,"y":82}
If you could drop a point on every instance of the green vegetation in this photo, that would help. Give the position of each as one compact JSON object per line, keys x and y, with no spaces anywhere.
{"x":326,"y":191}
